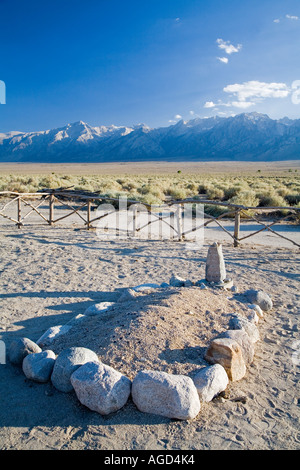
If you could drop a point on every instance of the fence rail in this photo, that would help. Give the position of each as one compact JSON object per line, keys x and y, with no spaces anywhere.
{"x":88,"y":201}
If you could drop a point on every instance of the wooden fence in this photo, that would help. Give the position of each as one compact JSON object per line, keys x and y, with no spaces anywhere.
{"x":86,"y":202}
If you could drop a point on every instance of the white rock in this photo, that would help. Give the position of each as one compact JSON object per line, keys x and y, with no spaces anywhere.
{"x":20,"y":348}
{"x":98,"y":308}
{"x":39,"y":366}
{"x":259,"y":298}
{"x":227,"y":284}
{"x":210,"y":381}
{"x":257,"y":309}
{"x":51,"y":334}
{"x":77,"y":319}
{"x":100,"y":387}
{"x":146,"y":287}
{"x":238,"y":322}
{"x":66,"y":363}
{"x":172,"y":396}
{"x":177,"y":281}
{"x":215,"y":267}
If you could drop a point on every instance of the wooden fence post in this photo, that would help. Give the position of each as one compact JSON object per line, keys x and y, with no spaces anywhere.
{"x":237,"y":220}
{"x":134,"y":220}
{"x":19,"y":224}
{"x":89,"y":214}
{"x":51,"y":209}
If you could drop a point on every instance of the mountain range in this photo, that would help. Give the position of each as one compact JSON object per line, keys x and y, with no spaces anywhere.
{"x":244,"y":137}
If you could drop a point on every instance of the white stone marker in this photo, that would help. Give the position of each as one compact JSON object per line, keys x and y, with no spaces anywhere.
{"x":215,"y":267}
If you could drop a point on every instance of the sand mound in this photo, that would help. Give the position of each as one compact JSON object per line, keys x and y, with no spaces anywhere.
{"x":167,"y":330}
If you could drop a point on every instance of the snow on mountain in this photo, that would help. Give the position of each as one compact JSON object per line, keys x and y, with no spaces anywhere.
{"x":9,"y":135}
{"x":247,"y":136}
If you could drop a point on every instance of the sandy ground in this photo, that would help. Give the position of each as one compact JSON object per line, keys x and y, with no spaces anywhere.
{"x":142,"y":168}
{"x":51,"y":274}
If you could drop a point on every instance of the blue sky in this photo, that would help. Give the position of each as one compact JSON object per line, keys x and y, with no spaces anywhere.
{"x":152,"y":61}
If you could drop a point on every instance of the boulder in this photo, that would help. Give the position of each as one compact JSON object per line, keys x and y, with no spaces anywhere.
{"x":96,"y":309}
{"x":228,"y":353}
{"x":51,"y":334}
{"x":260,"y":298}
{"x":66,"y":363}
{"x":237,"y":322}
{"x":172,"y":396}
{"x":77,"y":319}
{"x":215,"y":267}
{"x":242,"y":338}
{"x":100,"y":387}
{"x":39,"y":366}
{"x":20,"y":348}
{"x":210,"y":381}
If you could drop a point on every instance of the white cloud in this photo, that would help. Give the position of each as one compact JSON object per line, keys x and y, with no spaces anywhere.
{"x":255,"y":90}
{"x":276,"y":20}
{"x":227,"y":47}
{"x":292,"y":17}
{"x":195,"y":115}
{"x":247,"y":94}
{"x":178,"y":116}
{"x":241,"y":104}
{"x":236,"y":104}
{"x":227,"y":114}
{"x":209,"y":104}
{"x":223,"y":59}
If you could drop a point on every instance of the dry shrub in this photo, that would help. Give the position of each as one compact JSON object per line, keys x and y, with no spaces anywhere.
{"x":176,"y":192}
{"x":215,"y":211}
{"x":215,"y":194}
{"x":245,"y":198}
{"x":293,"y":199}
{"x":271,"y":199}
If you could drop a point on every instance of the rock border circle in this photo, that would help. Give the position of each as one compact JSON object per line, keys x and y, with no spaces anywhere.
{"x":104,"y":390}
